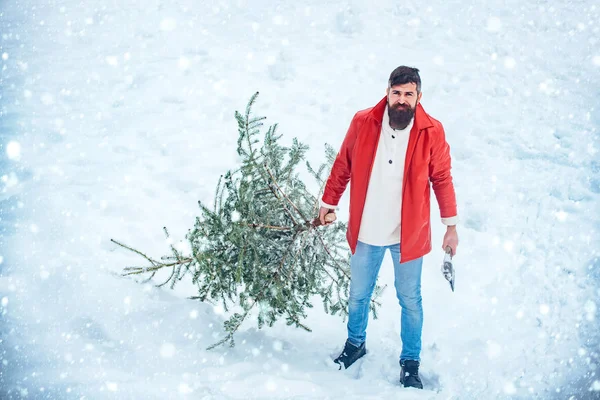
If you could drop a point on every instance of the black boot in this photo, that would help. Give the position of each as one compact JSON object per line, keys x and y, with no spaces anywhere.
{"x":409,"y":374}
{"x":350,"y":354}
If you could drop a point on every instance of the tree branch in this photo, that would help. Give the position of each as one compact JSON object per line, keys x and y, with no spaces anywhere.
{"x":277,"y":228}
{"x":285,"y":195}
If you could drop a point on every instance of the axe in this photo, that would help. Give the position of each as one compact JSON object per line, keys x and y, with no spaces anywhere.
{"x":448,"y":268}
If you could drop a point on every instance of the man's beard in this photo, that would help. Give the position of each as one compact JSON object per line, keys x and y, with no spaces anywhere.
{"x":400,"y":115}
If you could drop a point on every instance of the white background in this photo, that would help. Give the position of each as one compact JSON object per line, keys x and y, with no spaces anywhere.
{"x":117,"y":117}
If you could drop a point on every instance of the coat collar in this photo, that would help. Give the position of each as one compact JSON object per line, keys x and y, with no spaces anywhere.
{"x":422,"y":120}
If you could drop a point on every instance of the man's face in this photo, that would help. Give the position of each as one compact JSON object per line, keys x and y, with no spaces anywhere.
{"x":402,"y":103}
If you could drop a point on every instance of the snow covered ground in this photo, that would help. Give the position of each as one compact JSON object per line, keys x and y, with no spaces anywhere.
{"x":117,"y":117}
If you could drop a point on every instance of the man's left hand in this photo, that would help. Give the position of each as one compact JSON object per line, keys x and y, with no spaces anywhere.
{"x":450,"y":239}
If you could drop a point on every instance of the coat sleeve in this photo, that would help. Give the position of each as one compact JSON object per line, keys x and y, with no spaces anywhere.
{"x":341,"y":169}
{"x":441,"y":178}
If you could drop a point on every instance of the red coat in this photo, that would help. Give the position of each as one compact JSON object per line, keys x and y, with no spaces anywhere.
{"x":427,"y":160}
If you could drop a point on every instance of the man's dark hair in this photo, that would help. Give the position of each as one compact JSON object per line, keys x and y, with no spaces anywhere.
{"x":403,"y":75}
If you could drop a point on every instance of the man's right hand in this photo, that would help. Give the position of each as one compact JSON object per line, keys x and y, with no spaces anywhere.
{"x":322,"y":212}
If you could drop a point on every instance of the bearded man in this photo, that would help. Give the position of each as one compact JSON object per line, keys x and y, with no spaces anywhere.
{"x":391,"y":155}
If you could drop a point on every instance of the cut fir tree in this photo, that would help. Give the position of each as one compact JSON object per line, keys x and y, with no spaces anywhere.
{"x":259,"y":248}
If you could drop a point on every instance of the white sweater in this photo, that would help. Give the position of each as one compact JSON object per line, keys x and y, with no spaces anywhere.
{"x":381,"y":219}
{"x":380,"y":225}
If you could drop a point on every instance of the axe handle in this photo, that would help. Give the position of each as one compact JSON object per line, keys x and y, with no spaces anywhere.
{"x":448,"y":250}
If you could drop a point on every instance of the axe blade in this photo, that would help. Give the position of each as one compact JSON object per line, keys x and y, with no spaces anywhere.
{"x":448,"y":268}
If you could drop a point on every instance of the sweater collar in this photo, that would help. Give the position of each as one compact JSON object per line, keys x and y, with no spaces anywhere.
{"x":421,"y":119}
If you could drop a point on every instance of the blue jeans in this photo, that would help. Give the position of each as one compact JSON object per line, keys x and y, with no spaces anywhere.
{"x":364,"y":265}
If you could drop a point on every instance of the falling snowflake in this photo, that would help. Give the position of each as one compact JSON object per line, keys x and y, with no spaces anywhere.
{"x":112,"y":61}
{"x":13,"y":150}
{"x":218,"y":309}
{"x":185,"y":389}
{"x":509,"y":62}
{"x":509,"y":388}
{"x":271,"y":386}
{"x":494,"y":24}
{"x":112,"y":386}
{"x":561,"y":216}
{"x":277,"y":345}
{"x":168,"y":24}
{"x":493,"y":349}
{"x":184,"y":63}
{"x":167,"y":350}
